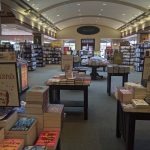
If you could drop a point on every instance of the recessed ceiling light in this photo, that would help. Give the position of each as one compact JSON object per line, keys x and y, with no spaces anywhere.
{"x":28,"y":0}
{"x":58,"y":15}
{"x":99,"y":14}
{"x":78,"y":4}
{"x":37,"y":8}
{"x":104,"y":4}
{"x":101,"y":9}
{"x":123,"y":14}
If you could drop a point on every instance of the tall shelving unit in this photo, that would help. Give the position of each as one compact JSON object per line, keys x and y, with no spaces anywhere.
{"x":29,"y":55}
{"x":139,"y":55}
{"x":128,"y":55}
{"x":53,"y":55}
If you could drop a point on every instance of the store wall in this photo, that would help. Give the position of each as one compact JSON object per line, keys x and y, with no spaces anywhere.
{"x":71,"y":33}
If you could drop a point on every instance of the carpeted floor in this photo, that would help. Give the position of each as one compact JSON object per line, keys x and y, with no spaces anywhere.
{"x":98,"y":132}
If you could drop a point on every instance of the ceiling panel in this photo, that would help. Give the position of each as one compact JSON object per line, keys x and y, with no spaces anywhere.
{"x":91,"y":21}
{"x":123,"y":13}
{"x":143,"y":3}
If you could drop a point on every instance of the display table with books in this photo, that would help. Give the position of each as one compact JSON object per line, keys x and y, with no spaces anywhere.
{"x":126,"y":120}
{"x":116,"y":70}
{"x":80,"y":83}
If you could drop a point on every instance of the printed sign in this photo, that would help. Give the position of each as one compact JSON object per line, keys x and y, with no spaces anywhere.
{"x":8,"y":85}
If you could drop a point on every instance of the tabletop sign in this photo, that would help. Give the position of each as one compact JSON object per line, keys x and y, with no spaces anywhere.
{"x":9,"y":91}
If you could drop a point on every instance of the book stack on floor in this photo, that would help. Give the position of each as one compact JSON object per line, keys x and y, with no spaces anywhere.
{"x":11,"y":144}
{"x":53,"y":116}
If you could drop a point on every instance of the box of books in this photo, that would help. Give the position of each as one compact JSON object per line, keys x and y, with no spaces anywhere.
{"x":39,"y":118}
{"x":24,"y":128}
{"x":49,"y":138}
{"x":8,"y":121}
{"x":11,"y":144}
{"x":53,"y":117}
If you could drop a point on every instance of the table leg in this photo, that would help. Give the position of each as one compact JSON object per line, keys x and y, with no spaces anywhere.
{"x":130,"y":131}
{"x":51,"y":100}
{"x":118,"y":134}
{"x":85,"y":103}
{"x":109,"y":84}
{"x":125,"y":79}
{"x":57,"y":96}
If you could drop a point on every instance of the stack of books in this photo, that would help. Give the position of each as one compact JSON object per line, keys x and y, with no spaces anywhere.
{"x":70,"y":81}
{"x":140,"y":103}
{"x":63,"y":81}
{"x":79,"y":81}
{"x":49,"y":138}
{"x":139,"y":91}
{"x":53,"y":116}
{"x":37,"y":99}
{"x":11,"y":144}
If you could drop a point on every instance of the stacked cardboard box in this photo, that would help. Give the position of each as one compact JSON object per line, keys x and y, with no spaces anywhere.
{"x":37,"y":99}
{"x":139,"y":92}
{"x":24,"y":128}
{"x":125,"y":96}
{"x":11,"y":144}
{"x":53,"y":116}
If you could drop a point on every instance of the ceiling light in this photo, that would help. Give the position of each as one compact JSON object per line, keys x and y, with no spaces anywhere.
{"x":99,"y":14}
{"x":58,"y":15}
{"x":37,"y":8}
{"x":78,"y":4}
{"x":28,"y":0}
{"x":123,"y":14}
{"x":101,"y":9}
{"x":104,"y":4}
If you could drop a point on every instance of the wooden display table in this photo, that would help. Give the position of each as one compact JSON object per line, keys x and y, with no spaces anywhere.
{"x":109,"y":75}
{"x":94,"y":74}
{"x":126,"y":120}
{"x":54,"y":96}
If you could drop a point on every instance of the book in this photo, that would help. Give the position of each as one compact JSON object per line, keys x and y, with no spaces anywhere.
{"x":139,"y":103}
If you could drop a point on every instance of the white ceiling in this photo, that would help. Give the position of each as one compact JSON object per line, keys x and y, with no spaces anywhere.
{"x":111,"y":13}
{"x":66,"y":13}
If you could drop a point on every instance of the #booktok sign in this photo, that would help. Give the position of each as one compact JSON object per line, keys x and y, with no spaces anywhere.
{"x":8,"y":85}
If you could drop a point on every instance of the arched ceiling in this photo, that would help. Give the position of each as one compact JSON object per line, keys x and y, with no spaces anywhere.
{"x":111,"y":13}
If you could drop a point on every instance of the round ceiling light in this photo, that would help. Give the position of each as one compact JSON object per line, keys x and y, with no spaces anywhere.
{"x":88,"y":30}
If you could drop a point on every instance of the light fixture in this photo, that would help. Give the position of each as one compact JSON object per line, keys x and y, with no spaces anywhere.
{"x":101,"y":9}
{"x":58,"y":15}
{"x":99,"y":14}
{"x":78,"y":4}
{"x":123,"y":14}
{"x":104,"y":4}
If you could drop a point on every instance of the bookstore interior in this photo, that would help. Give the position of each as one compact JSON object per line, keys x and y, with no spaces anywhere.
{"x":80,"y":51}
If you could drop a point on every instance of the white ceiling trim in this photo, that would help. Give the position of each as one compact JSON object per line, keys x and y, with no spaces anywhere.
{"x":85,"y":16}
{"x":112,"y":1}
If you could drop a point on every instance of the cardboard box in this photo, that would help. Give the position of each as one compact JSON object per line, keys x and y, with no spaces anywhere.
{"x":38,"y":94}
{"x":39,"y":118}
{"x":125,"y":96}
{"x":1,"y":133}
{"x":11,"y":144}
{"x":53,"y":117}
{"x":28,"y":136}
{"x":8,"y":121}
